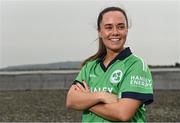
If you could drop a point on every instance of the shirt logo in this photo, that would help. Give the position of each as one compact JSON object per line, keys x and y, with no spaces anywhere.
{"x":116,"y":76}
{"x":141,"y":81}
{"x":92,"y":75}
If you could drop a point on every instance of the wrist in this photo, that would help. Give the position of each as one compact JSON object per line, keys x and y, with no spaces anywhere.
{"x":100,"y":96}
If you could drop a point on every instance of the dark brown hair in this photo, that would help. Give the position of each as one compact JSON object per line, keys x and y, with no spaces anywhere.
{"x":102,"y":49}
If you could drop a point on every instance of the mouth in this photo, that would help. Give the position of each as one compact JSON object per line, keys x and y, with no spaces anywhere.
{"x":114,"y":39}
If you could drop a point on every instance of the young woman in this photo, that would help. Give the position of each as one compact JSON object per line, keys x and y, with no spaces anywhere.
{"x":113,"y":84}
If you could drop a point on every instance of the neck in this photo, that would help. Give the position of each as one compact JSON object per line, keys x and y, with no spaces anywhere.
{"x":110,"y":56}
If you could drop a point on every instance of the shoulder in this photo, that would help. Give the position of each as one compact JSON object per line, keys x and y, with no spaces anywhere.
{"x":89,"y":64}
{"x":136,"y":62}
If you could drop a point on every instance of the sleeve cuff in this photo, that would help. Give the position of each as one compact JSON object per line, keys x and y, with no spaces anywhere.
{"x":145,"y":98}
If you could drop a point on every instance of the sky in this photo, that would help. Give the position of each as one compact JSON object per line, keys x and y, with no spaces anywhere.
{"x":47,"y":31}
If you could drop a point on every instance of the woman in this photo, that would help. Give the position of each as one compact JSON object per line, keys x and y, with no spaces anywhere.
{"x":113,"y":84}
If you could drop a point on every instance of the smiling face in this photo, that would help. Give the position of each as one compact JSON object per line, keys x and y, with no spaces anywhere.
{"x":113,"y":31}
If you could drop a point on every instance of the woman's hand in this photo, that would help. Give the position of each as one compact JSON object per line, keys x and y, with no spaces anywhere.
{"x":104,"y":96}
{"x":79,"y":87}
{"x":80,"y":97}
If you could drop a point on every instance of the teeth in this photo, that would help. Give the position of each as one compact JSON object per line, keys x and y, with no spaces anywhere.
{"x":115,"y":39}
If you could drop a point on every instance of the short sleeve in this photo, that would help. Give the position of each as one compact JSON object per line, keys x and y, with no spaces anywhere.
{"x":137,"y":83}
{"x":82,"y":75}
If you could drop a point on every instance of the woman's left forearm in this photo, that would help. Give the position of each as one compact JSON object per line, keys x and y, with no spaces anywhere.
{"x":107,"y":111}
{"x":122,"y":110}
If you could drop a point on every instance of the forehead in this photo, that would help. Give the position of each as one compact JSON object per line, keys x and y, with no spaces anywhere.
{"x":113,"y":17}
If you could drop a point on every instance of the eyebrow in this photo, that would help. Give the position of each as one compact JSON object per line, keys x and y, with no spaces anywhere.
{"x":112,"y":24}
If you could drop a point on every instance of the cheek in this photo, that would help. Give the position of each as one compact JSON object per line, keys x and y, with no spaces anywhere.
{"x":106,"y":42}
{"x":124,"y":34}
{"x":103,"y":34}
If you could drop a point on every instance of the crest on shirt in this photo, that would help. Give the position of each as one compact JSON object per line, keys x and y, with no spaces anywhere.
{"x":116,"y":76}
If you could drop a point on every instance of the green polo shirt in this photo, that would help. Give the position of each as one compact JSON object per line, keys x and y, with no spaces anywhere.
{"x":126,"y":76}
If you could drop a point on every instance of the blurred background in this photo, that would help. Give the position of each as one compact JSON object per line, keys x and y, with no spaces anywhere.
{"x":42,"y":43}
{"x":46,"y":31}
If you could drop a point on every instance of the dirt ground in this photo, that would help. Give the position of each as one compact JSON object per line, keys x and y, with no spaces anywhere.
{"x":49,"y":105}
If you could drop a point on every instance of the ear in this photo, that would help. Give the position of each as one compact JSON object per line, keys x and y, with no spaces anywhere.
{"x":99,"y":34}
{"x":126,"y":30}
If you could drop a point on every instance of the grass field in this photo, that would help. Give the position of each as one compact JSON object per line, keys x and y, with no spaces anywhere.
{"x":49,"y":105}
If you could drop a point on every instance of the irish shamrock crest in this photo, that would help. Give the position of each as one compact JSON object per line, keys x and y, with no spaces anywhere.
{"x":116,"y":76}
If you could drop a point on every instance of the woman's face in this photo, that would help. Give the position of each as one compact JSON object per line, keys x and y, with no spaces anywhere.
{"x":113,"y":31}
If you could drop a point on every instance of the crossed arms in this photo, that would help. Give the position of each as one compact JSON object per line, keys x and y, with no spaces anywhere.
{"x":103,"y":104}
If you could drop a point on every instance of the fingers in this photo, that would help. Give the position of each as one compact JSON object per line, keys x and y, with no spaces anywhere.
{"x":86,"y":86}
{"x":80,"y":87}
{"x":77,"y":88}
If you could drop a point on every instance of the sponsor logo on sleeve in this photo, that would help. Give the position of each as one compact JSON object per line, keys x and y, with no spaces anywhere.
{"x":141,"y":81}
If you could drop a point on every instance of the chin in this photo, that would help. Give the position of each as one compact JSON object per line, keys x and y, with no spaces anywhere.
{"x":116,"y":49}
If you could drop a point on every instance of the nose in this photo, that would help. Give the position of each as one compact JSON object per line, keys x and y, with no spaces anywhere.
{"x":115,"y":31}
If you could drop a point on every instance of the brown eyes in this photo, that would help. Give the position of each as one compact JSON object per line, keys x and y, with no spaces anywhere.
{"x":119,"y":27}
{"x":108,"y":28}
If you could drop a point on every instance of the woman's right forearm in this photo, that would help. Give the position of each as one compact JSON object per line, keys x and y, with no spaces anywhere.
{"x":82,"y":100}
